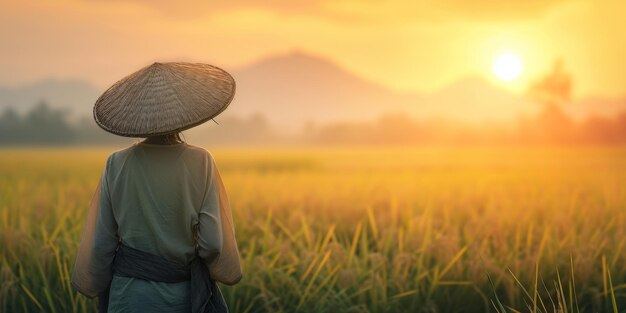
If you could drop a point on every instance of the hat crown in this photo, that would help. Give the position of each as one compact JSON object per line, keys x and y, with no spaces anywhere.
{"x":163,"y":98}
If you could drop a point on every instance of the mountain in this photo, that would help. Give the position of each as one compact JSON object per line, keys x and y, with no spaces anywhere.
{"x":473,"y":100}
{"x":297,"y":88}
{"x":75,"y":96}
{"x":595,"y":106}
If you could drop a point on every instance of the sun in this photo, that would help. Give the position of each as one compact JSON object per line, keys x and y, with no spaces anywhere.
{"x":507,"y":66}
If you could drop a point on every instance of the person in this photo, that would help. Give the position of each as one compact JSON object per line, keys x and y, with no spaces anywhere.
{"x":159,"y":232}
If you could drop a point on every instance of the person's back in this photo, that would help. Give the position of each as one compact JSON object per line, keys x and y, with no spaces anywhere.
{"x":156,"y":194}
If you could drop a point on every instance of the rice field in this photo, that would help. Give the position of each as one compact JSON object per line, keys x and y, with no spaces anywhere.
{"x":435,"y":229}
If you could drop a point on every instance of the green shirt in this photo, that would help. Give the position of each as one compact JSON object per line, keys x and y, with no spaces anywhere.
{"x":161,"y":199}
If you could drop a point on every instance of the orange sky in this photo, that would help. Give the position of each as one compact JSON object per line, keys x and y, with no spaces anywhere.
{"x":410,"y":45}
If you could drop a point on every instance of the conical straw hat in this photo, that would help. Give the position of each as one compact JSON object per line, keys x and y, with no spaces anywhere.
{"x":163,"y":98}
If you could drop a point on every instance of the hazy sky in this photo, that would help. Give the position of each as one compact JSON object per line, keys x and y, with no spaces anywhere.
{"x":410,"y":45}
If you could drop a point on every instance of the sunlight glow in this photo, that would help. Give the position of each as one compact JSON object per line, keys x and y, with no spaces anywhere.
{"x":507,"y":66}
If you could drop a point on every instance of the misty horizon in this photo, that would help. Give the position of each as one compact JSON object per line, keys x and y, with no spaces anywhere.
{"x":316,"y":90}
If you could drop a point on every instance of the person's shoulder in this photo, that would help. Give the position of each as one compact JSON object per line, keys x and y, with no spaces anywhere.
{"x":196,"y":149}
{"x":199,"y":151}
{"x":198,"y":155}
{"x":120,"y":154}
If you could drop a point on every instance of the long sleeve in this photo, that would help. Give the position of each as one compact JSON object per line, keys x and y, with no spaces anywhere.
{"x":216,"y":233}
{"x":92,"y":270}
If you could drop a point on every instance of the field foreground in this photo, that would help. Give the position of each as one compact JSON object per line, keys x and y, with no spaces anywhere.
{"x":360,"y":230}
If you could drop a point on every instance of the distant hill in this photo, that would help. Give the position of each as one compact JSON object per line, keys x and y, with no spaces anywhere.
{"x":295,"y":90}
{"x":595,"y":106}
{"x":473,"y":100}
{"x":75,"y":96}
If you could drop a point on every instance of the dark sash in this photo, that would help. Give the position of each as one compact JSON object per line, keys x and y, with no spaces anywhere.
{"x":206,"y":296}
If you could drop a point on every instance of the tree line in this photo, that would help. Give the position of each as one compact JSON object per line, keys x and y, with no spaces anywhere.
{"x":44,"y":125}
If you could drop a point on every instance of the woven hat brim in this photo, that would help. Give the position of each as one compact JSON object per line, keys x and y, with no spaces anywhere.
{"x":211,"y":94}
